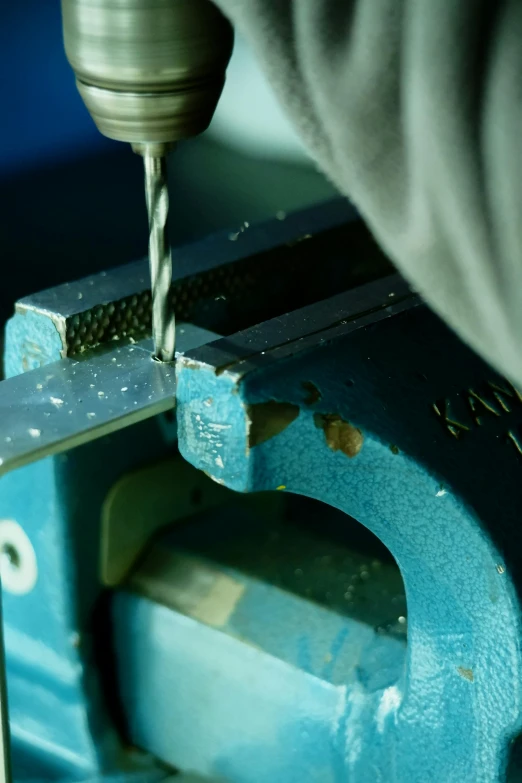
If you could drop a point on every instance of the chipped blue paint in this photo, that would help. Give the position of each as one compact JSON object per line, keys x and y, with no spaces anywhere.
{"x":443,"y":506}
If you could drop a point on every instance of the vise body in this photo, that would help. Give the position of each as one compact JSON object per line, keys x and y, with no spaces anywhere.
{"x":293,"y":555}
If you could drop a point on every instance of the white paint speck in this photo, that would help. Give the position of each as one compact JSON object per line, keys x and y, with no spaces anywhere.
{"x":39,"y":386}
{"x":389,"y":703}
{"x":219,"y":462}
{"x":56,"y":401}
{"x":80,"y":295}
{"x":91,"y":415}
{"x":440,"y":493}
{"x":101,"y":394}
{"x":401,"y":620}
{"x":125,"y":388}
{"x":34,"y":432}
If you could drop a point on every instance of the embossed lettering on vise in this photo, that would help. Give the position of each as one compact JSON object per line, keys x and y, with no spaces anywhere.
{"x":443,"y":410}
{"x":494,"y":399}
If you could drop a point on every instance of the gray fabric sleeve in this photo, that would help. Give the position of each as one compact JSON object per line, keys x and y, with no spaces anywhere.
{"x":413,"y":108}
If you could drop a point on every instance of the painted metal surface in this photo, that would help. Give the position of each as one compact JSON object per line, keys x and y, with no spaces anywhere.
{"x":56,"y":650}
{"x":64,"y":714}
{"x":398,"y":424}
{"x":231,"y":662}
{"x":62,"y":700}
{"x":363,"y":401}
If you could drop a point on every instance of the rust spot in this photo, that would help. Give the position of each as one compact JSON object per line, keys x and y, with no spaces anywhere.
{"x":190,"y":364}
{"x":312,"y":392}
{"x":340,"y":435}
{"x":268,"y":419}
{"x":466,"y":673}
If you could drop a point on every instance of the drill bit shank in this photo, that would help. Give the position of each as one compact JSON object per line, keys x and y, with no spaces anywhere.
{"x":163,"y":320}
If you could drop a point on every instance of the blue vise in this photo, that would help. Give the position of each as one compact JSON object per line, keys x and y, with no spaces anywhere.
{"x":369,"y":404}
{"x":195,"y":588}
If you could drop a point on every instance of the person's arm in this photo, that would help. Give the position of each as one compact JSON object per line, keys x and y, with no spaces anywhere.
{"x":413,"y":108}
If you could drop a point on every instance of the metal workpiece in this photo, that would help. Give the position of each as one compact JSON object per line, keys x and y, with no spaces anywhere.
{"x":68,"y":403}
{"x":148,"y":71}
{"x":160,"y":256}
{"x":224,"y":283}
{"x":306,"y":328}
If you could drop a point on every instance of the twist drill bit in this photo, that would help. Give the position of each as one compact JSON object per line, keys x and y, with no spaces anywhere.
{"x":160,"y":259}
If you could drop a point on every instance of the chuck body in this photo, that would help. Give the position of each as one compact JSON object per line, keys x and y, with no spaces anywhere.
{"x":149,"y":71}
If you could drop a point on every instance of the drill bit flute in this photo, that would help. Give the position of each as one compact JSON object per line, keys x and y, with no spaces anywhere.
{"x":160,"y":258}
